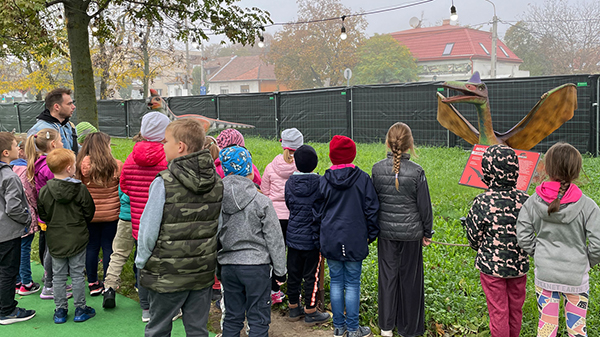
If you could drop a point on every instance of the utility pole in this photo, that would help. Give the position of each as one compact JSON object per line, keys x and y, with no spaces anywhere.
{"x":494,"y":41}
{"x":187,"y":62}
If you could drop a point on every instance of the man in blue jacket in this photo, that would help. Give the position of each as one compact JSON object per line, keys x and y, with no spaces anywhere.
{"x":59,"y":108}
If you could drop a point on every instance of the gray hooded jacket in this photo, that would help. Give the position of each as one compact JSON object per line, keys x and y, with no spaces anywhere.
{"x":558,"y":241}
{"x":14,"y":210}
{"x":250,"y":232}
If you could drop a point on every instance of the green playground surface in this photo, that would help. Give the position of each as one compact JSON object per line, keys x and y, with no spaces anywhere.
{"x":124,"y":320}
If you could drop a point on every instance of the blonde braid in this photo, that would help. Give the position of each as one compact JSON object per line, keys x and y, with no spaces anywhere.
{"x":397,"y":153}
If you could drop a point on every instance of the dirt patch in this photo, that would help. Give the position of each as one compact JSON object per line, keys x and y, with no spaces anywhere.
{"x":280,"y":326}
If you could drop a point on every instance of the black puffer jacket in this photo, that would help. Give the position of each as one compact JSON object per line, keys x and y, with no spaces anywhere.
{"x":301,"y":193}
{"x":404,"y":214}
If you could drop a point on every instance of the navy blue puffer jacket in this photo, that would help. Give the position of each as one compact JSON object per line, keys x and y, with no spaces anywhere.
{"x":301,"y":193}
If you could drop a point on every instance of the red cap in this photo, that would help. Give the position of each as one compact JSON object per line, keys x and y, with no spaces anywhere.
{"x":342,"y":150}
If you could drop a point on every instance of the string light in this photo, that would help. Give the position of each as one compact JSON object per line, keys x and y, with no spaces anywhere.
{"x":343,"y":35}
{"x":60,"y":19}
{"x":261,"y":42}
{"x":453,"y":15}
{"x":5,"y":46}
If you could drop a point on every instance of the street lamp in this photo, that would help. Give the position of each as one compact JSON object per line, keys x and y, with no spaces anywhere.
{"x":494,"y":40}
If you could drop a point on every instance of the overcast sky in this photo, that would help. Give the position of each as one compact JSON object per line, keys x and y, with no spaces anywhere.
{"x":470,"y":12}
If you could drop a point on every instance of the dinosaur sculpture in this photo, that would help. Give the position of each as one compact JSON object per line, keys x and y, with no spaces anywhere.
{"x":157,"y":103}
{"x":554,"y":108}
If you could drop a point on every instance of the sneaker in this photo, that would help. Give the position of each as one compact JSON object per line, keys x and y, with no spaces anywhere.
{"x":48,"y":294}
{"x":296,"y":314}
{"x":17,"y":287}
{"x":362,"y":331}
{"x":27,"y":290}
{"x":145,"y":316}
{"x":277,"y":297}
{"x":339,"y":332}
{"x":109,"y":299}
{"x":387,"y":333}
{"x":60,"y":316}
{"x":18,"y":315}
{"x":178,"y":316}
{"x":316,"y":317}
{"x":84,"y":313}
{"x":96,"y":288}
{"x":69,"y":287}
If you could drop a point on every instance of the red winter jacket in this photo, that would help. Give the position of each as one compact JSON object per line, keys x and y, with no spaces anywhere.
{"x":141,"y":167}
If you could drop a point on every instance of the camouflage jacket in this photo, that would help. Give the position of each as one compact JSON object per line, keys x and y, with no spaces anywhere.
{"x":185,"y":255}
{"x":491,"y":223}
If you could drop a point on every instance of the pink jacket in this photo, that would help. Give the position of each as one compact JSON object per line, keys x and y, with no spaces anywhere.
{"x":273,"y":184}
{"x":30,"y":192}
{"x":219,"y":169}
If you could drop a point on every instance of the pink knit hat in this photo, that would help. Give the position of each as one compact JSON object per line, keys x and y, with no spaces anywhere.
{"x":230,"y":137}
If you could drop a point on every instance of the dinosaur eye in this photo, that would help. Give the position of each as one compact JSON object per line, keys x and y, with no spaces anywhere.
{"x":481,"y":88}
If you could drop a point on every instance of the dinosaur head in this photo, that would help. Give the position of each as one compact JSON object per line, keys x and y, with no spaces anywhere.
{"x":155,"y":102}
{"x":473,"y":91}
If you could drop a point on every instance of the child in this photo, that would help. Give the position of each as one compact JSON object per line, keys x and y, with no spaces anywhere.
{"x":348,"y":225}
{"x":99,"y":171}
{"x":141,"y":167}
{"x":560,"y":227}
{"x":66,"y":206}
{"x":210,"y":143}
{"x":230,"y":137}
{"x":273,"y":186}
{"x":491,"y":230}
{"x":84,"y":129}
{"x":25,"y":285}
{"x":252,"y":244}
{"x":14,"y":219}
{"x":303,"y":258}
{"x":177,"y":248}
{"x":405,"y":220}
{"x":37,"y":147}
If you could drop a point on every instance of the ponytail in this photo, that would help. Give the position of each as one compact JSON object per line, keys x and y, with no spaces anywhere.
{"x":288,"y":155}
{"x":555,"y":204}
{"x":32,"y":156}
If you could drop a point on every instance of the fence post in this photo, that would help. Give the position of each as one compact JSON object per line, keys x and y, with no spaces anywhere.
{"x":348,"y":111}
{"x":351,"y":114}
{"x":217,"y":108}
{"x":18,"y":118}
{"x":127,"y":127}
{"x":277,"y":112}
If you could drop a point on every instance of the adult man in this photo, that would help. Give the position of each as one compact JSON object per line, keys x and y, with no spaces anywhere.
{"x":59,"y":108}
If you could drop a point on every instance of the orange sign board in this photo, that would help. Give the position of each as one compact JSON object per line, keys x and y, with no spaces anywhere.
{"x":472,"y":173}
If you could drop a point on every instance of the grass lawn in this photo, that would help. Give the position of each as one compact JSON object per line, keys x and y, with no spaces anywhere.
{"x":455,"y":302}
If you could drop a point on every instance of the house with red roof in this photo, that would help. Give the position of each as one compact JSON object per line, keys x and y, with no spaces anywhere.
{"x":243,"y":74}
{"x":450,"y":52}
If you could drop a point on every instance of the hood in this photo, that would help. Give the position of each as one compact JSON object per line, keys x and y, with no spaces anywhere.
{"x":3,"y":165}
{"x":62,"y":190}
{"x":548,"y":191}
{"x":304,"y":184}
{"x":195,"y":171}
{"x":281,"y":168}
{"x":565,"y":215}
{"x":500,"y":168}
{"x":148,"y":153}
{"x":238,"y":193}
{"x":46,"y":116}
{"x":344,"y":178}
{"x":19,"y":162}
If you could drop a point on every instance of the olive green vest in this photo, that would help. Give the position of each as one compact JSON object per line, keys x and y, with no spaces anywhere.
{"x":185,"y":255}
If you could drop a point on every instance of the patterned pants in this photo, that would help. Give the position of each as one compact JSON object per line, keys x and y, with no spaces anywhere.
{"x":575,"y":311}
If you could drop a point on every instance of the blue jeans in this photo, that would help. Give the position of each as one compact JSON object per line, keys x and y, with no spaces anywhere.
{"x":25,"y":267}
{"x":101,"y":236}
{"x":345,"y":287}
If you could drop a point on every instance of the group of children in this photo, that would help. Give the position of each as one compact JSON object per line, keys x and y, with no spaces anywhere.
{"x":195,"y":207}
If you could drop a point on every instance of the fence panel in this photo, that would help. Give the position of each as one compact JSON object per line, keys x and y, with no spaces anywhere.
{"x":256,"y":109}
{"x":319,"y":115}
{"x":198,"y":105}
{"x":135,"y":111}
{"x":28,"y":111}
{"x":111,"y":117}
{"x":8,"y":117}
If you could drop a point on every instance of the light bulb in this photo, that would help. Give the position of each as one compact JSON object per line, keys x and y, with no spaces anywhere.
{"x":453,"y":15}
{"x":343,"y":36}
{"x":195,"y":44}
{"x":5,"y":46}
{"x":261,"y":44}
{"x":94,"y":29}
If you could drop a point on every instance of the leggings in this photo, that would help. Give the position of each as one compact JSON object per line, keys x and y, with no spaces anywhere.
{"x":575,"y":312}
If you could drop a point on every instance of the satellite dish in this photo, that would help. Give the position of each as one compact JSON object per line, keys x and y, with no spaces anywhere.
{"x":414,"y":22}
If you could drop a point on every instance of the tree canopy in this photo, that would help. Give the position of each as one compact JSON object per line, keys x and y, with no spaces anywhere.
{"x":30,"y":26}
{"x":382,"y":59}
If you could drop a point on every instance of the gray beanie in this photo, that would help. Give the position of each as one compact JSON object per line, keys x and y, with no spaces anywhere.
{"x":154,"y":125}
{"x":291,"y":139}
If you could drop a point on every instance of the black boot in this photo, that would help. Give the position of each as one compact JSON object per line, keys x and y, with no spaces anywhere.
{"x":296,"y":314}
{"x":316,"y":317}
{"x":109,"y":300}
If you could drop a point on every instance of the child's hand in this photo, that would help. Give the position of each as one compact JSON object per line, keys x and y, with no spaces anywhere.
{"x":280,"y":279}
{"x":426,"y":241}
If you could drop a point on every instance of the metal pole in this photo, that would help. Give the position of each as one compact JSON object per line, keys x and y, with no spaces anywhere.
{"x":187,"y":62}
{"x":494,"y":40}
{"x":597,"y":116}
{"x":351,"y":114}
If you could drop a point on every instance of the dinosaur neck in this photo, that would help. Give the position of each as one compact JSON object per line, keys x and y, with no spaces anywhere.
{"x":486,"y":130}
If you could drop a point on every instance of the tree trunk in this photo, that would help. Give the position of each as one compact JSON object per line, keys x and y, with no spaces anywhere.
{"x":77,"y":22}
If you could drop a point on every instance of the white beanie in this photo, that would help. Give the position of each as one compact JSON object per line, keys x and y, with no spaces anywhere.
{"x":154,"y":125}
{"x":291,"y":139}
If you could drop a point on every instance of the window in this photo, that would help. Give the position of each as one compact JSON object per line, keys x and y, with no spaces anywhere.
{"x":159,"y":91}
{"x":224,"y":90}
{"x":504,"y":51}
{"x":244,"y":88}
{"x":484,"y":48}
{"x":448,"y":49}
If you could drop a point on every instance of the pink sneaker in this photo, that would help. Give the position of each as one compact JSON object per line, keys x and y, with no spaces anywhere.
{"x":277,"y":297}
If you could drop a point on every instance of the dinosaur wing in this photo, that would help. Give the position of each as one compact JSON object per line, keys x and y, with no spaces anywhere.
{"x":554,"y":108}
{"x":452,"y":120}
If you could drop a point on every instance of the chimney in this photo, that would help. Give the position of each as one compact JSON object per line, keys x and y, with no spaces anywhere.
{"x":446,"y":22}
